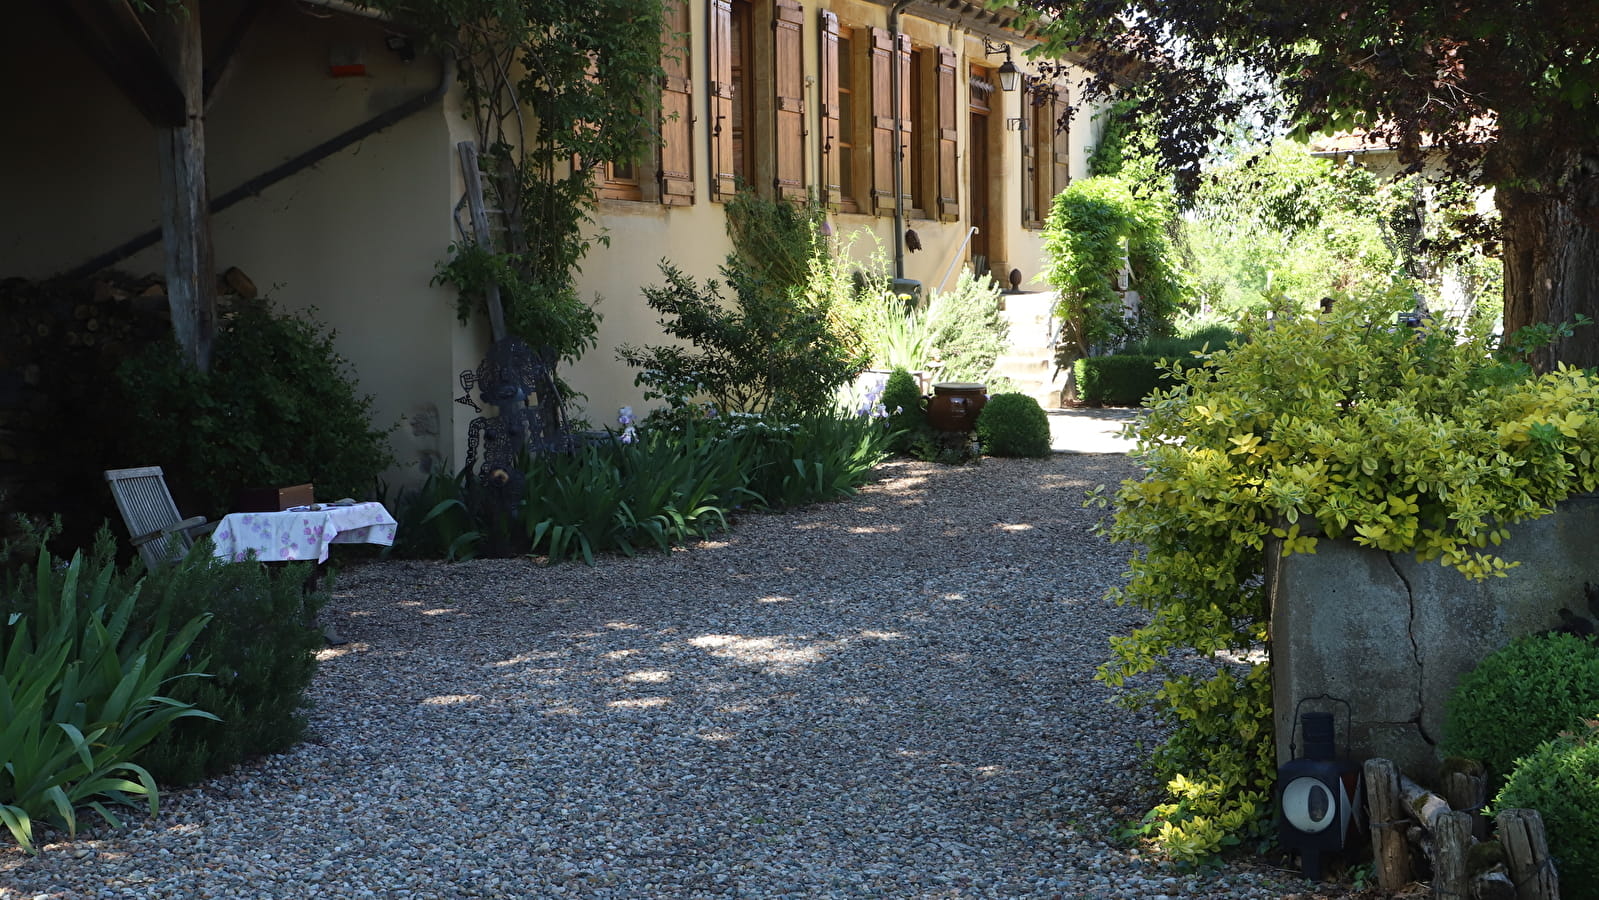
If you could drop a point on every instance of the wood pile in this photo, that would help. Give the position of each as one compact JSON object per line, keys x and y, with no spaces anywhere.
{"x":60,"y":344}
{"x":1452,"y":836}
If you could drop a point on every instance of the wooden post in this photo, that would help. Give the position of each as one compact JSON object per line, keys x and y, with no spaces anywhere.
{"x":480,"y":230}
{"x":1465,"y":786}
{"x":1521,"y":831}
{"x":185,"y":200}
{"x":1450,"y":839}
{"x":1389,"y":851}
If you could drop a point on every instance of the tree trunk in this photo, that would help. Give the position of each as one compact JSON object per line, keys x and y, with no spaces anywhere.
{"x":1551,"y":251}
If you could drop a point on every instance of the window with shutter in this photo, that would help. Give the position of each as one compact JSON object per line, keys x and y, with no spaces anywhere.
{"x":789,"y":81}
{"x":1039,"y":115}
{"x":888,"y":108}
{"x":922,"y":160}
{"x":1062,"y":142}
{"x":847,"y":156}
{"x":882,"y":121}
{"x":619,"y":181}
{"x":725,"y":164}
{"x":1029,"y":120}
{"x":949,"y":208}
{"x":834,"y":96}
{"x":676,"y":170}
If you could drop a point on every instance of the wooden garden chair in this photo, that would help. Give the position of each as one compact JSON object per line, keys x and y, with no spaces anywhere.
{"x":154,"y":526}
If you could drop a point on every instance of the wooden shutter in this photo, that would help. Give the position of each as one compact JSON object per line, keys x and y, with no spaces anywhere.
{"x":1030,"y":162}
{"x":902,"y":109}
{"x":832,"y":181}
{"x":723,"y":182}
{"x":1061,"y":143}
{"x":949,"y":207}
{"x":789,"y":78}
{"x":677,"y":112}
{"x":883,"y":161}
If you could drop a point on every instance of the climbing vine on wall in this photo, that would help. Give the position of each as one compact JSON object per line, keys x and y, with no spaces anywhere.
{"x":554,"y":88}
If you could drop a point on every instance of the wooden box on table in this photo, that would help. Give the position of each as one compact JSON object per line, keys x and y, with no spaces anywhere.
{"x":274,"y":499}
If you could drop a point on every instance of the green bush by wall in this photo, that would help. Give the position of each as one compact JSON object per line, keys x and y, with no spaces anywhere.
{"x":278,"y":407}
{"x":1520,"y":696}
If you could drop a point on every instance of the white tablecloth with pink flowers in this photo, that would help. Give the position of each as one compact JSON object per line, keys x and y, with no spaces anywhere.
{"x":301,"y":533}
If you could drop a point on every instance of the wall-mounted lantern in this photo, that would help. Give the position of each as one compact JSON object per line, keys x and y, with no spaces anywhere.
{"x":1009,"y":75}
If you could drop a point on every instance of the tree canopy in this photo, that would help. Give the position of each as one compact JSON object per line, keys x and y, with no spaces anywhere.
{"x":1498,"y":93}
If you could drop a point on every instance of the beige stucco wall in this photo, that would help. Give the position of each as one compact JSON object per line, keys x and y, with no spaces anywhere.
{"x":694,"y":238}
{"x":355,"y":237}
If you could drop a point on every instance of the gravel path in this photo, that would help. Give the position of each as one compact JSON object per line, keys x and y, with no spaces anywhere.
{"x":889,"y":696}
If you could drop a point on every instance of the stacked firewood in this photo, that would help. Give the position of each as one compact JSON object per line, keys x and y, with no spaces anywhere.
{"x":1451,"y":833}
{"x":60,"y":344}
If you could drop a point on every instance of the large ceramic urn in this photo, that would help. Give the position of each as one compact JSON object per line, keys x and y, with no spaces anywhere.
{"x":955,"y":405}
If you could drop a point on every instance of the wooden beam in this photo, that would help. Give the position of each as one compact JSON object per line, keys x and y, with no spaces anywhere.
{"x":113,"y":36}
{"x":221,"y":63}
{"x":185,"y":199}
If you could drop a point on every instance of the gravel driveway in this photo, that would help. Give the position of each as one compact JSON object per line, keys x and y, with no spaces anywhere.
{"x":889,"y":696}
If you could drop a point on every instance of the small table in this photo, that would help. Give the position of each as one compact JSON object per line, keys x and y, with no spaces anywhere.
{"x":301,"y":534}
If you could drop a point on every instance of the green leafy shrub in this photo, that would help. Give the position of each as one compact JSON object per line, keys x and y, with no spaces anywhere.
{"x":657,"y":490}
{"x":1560,"y":779}
{"x":259,"y":651}
{"x":1125,"y":379}
{"x":277,"y":408}
{"x":1406,"y":441}
{"x":907,"y":417}
{"x":959,"y":334}
{"x":1121,"y":380}
{"x":1520,"y":696}
{"x":1202,"y":339}
{"x":783,"y":345}
{"x":436,"y":520}
{"x":767,"y":351}
{"x":822,"y":456}
{"x":1013,"y":425}
{"x":80,"y":695}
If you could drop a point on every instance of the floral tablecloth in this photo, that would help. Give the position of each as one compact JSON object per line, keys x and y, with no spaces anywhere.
{"x":301,"y":533}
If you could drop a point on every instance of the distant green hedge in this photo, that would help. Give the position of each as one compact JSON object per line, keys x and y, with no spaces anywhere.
{"x":1124,"y":379}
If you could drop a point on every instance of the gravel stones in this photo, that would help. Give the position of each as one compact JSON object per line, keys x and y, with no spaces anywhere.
{"x":886,"y":696}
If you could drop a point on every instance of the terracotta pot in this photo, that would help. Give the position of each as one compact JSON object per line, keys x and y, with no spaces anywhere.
{"x":955,"y":405}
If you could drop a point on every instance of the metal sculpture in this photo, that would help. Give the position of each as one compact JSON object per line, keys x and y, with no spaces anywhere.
{"x":519,"y":382}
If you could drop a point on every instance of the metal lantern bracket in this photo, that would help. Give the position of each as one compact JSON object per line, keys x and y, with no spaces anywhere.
{"x":1009,"y":75}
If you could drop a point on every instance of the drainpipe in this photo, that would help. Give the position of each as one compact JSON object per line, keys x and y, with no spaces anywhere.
{"x":899,"y":142}
{"x":311,"y":157}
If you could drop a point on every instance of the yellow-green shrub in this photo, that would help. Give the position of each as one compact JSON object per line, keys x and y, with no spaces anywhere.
{"x":1403,"y":440}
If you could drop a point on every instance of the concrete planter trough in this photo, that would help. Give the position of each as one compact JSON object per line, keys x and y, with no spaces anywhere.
{"x":1393,"y":636}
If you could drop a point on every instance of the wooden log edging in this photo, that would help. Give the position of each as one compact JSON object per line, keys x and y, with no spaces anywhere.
{"x":1465,"y":866}
{"x":1531,"y":869}
{"x":1389,"y":851}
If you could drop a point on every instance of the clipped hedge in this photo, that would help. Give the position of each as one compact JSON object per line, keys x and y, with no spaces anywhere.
{"x":1124,"y":379}
{"x":1560,"y":779}
{"x":1520,"y":696}
{"x":1013,"y":425}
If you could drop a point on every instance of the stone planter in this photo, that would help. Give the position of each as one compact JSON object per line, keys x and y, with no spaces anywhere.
{"x":1393,"y":636}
